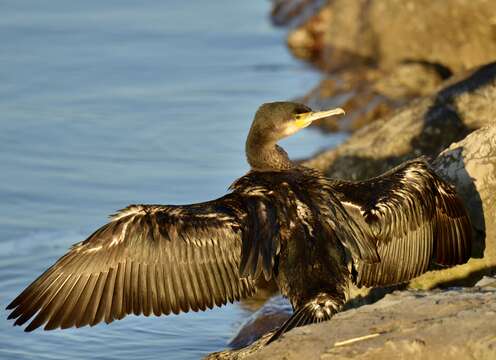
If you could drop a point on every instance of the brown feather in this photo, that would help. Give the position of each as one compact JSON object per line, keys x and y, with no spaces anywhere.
{"x":413,"y":215}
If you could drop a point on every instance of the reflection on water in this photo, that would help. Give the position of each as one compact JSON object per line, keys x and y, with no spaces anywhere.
{"x":102,"y":105}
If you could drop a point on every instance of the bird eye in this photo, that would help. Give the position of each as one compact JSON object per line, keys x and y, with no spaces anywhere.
{"x":301,"y":110}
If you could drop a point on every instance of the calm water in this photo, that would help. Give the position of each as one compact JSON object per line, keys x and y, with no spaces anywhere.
{"x":108,"y":103}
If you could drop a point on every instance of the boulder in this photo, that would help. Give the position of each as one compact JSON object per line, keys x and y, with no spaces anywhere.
{"x":425,"y":126}
{"x":471,"y":166}
{"x":368,"y":94}
{"x":457,"y":35}
{"x":271,"y":315}
{"x":433,"y":325}
{"x":393,"y":50}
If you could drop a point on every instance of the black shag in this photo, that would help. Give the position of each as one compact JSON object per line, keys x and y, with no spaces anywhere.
{"x":310,"y":233}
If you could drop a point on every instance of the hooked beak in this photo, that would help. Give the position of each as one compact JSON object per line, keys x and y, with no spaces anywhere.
{"x":305,"y":119}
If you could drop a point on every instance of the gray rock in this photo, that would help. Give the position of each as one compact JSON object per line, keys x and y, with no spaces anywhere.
{"x":471,"y":166}
{"x":269,"y":317}
{"x":454,"y":324}
{"x":487,"y":281}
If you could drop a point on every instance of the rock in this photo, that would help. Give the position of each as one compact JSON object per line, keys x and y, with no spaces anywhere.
{"x":459,"y":35}
{"x":293,"y":12}
{"x":410,"y":79}
{"x":393,"y":50}
{"x":367,"y":94}
{"x":426,"y":126}
{"x":307,"y":42}
{"x":269,"y":317}
{"x":471,"y":165}
{"x":487,"y":281}
{"x":314,"y":37}
{"x":405,"y":325}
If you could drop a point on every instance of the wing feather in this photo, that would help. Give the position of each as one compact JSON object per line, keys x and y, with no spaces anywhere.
{"x":453,"y":224}
{"x":146,"y":260}
{"x":67,"y":315}
{"x":413,"y":216}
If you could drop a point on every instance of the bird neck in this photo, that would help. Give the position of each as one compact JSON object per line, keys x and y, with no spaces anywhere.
{"x":267,"y":156}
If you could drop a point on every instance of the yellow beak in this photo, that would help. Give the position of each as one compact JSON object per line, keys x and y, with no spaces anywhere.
{"x":305,"y":119}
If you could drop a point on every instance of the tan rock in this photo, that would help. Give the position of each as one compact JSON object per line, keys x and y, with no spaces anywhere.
{"x":458,"y":34}
{"x":424,"y":127}
{"x":368,"y":94}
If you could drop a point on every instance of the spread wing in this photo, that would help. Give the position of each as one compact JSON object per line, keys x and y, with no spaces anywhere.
{"x":147,"y":259}
{"x":413,"y":216}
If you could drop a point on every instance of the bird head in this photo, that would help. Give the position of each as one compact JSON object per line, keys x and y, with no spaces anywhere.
{"x":277,"y":120}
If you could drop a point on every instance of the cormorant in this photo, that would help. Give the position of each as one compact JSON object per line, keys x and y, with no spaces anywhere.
{"x":310,"y":233}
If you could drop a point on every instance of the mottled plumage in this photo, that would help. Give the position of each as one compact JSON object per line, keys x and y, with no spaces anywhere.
{"x":413,"y":216}
{"x":310,"y":233}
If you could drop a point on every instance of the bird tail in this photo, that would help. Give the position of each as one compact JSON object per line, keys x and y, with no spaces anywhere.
{"x":318,"y":309}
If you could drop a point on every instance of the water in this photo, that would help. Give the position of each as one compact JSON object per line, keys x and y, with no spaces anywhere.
{"x":106,"y":104}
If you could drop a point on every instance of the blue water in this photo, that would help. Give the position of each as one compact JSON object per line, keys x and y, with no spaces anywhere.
{"x":103,"y":104}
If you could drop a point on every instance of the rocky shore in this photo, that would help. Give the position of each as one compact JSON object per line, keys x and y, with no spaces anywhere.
{"x":417,"y":78}
{"x":451,"y":324}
